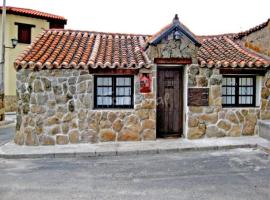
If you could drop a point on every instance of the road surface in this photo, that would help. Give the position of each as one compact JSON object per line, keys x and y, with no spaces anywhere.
{"x":240,"y":174}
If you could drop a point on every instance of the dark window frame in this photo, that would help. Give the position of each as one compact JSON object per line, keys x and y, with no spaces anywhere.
{"x":28,"y":28}
{"x":113,"y":95}
{"x":237,"y":88}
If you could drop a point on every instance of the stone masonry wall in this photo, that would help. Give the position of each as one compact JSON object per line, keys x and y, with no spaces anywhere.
{"x":215,"y":121}
{"x":259,"y":41}
{"x":265,"y":98}
{"x":56,"y":107}
{"x":171,"y":48}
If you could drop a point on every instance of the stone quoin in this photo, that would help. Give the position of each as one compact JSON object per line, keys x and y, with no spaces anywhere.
{"x":85,"y":87}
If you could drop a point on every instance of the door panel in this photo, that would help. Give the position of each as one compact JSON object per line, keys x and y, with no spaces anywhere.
{"x":169,"y":103}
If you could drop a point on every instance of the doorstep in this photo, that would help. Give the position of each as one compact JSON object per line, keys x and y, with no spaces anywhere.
{"x":13,"y":151}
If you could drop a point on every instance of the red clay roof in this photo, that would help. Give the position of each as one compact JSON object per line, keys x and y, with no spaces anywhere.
{"x":32,"y":13}
{"x":82,"y":49}
{"x":225,"y":51}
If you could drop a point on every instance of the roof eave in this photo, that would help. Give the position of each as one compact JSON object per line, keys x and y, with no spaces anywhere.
{"x":35,"y":16}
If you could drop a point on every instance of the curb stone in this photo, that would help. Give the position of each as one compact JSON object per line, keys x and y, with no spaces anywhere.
{"x":102,"y":153}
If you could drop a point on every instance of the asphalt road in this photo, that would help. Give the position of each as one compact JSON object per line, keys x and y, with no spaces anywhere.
{"x":6,"y":135}
{"x":240,"y":174}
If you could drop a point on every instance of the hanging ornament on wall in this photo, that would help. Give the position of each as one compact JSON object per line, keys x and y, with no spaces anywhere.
{"x":145,"y":82}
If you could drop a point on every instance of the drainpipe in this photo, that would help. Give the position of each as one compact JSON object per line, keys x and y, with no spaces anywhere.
{"x":2,"y":64}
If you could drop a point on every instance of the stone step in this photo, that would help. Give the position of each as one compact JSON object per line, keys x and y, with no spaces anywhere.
{"x":264,"y":129}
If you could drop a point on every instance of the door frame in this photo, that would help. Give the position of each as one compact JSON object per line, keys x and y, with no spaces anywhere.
{"x":182,"y":82}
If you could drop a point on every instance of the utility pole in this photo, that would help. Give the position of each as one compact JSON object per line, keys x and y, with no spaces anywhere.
{"x":2,"y":62}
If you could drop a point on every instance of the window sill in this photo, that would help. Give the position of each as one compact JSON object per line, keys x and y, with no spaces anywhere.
{"x":114,"y":109}
{"x":241,"y":107}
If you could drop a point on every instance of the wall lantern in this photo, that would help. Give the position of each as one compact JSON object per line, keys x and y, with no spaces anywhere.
{"x":14,"y":43}
{"x":177,"y":35}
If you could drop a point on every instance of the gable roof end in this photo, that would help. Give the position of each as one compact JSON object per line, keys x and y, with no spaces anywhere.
{"x":176,"y":25}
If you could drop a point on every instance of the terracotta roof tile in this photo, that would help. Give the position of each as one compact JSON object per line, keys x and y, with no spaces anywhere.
{"x":85,"y":49}
{"x":224,"y":51}
{"x":32,"y":13}
{"x":82,"y":49}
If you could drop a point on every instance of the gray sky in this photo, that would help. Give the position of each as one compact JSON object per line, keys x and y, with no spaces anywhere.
{"x":203,"y":17}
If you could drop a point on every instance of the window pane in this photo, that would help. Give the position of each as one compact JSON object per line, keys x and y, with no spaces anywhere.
{"x":229,"y":90}
{"x":123,"y":81}
{"x":248,"y":81}
{"x":242,"y":91}
{"x":245,"y":99}
{"x":105,"y":101}
{"x":224,"y":81}
{"x":123,"y":91}
{"x":223,"y":90}
{"x":104,"y":81}
{"x":233,"y":81}
{"x":224,"y":100}
{"x":233,"y":100}
{"x":242,"y":100}
{"x":120,"y":91}
{"x":250,"y":90}
{"x":127,"y":91}
{"x":248,"y":100}
{"x":233,"y":91}
{"x":229,"y":100}
{"x":243,"y":81}
{"x":103,"y":91}
{"x":228,"y":81}
{"x":123,"y":100}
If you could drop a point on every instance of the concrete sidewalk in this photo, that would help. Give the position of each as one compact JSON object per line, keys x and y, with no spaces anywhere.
{"x":10,"y":120}
{"x":11,"y":150}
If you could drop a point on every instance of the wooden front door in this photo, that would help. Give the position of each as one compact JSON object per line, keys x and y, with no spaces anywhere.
{"x":169,"y":103}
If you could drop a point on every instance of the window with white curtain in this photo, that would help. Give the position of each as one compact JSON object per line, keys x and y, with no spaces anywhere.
{"x":114,"y":91}
{"x":238,"y":91}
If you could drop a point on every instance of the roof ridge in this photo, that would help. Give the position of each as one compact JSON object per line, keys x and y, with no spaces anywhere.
{"x":252,"y":30}
{"x":38,"y":13}
{"x":99,"y":32}
{"x":206,"y":37}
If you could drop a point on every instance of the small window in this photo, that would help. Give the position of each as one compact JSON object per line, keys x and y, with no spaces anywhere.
{"x":24,"y":33}
{"x":113,"y":91}
{"x":239,"y":91}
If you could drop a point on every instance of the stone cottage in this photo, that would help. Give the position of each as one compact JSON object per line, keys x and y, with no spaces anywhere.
{"x":88,"y":87}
